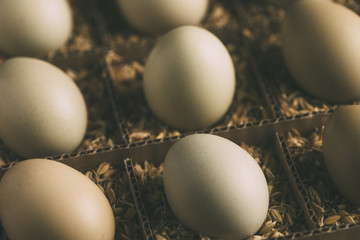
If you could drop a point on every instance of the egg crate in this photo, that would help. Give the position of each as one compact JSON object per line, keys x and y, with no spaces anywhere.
{"x":266,"y":132}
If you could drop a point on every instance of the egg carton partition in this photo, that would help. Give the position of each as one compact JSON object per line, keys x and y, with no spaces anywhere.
{"x":268,"y":135}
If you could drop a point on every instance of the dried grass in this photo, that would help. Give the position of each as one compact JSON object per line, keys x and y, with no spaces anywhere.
{"x":115,"y":185}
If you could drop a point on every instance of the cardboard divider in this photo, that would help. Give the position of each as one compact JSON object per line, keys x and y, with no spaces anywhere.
{"x":297,"y":186}
{"x":155,"y":151}
{"x":339,"y":231}
{"x":119,"y":116}
{"x":265,"y":134}
{"x":262,"y":135}
{"x":144,"y":221}
{"x":268,"y":92}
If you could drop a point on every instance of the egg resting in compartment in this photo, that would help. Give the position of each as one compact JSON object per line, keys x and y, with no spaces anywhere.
{"x":34,"y":28}
{"x":42,"y":110}
{"x":48,"y":200}
{"x":215,"y":187}
{"x":159,"y":16}
{"x":189,"y":78}
{"x":341,"y":147}
{"x":320,"y":42}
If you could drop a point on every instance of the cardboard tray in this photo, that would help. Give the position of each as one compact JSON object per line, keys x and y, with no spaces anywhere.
{"x":269,"y":131}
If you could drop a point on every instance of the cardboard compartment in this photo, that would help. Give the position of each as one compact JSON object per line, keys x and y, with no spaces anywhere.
{"x":263,"y":30}
{"x":102,"y":130}
{"x":284,"y":215}
{"x":326,"y":209}
{"x":115,"y":182}
{"x":126,"y":67}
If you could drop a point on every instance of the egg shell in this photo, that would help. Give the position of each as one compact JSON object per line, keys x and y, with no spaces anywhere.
{"x":189,"y":78}
{"x":159,"y":16}
{"x":33,"y":28}
{"x":215,"y":187}
{"x":322,"y":51}
{"x":45,"y":199}
{"x":42,"y":110}
{"x":341,"y":147}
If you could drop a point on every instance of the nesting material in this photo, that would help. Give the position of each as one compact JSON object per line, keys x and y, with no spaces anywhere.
{"x":283,"y":215}
{"x":102,"y":129}
{"x":115,"y":185}
{"x":330,"y":207}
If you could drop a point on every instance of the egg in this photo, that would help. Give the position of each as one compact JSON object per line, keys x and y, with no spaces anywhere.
{"x":48,"y":200}
{"x":215,"y":187}
{"x":33,"y":28}
{"x":42,"y":110}
{"x":158,"y":16}
{"x":189,"y":78}
{"x":341,"y":148}
{"x":321,"y":51}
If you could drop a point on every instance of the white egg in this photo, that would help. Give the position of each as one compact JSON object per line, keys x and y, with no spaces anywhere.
{"x":158,"y":16}
{"x":320,"y":41}
{"x":42,"y":110}
{"x":215,"y":187}
{"x":32,"y":28}
{"x":341,"y":150}
{"x":189,"y":78}
{"x":47,"y":200}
